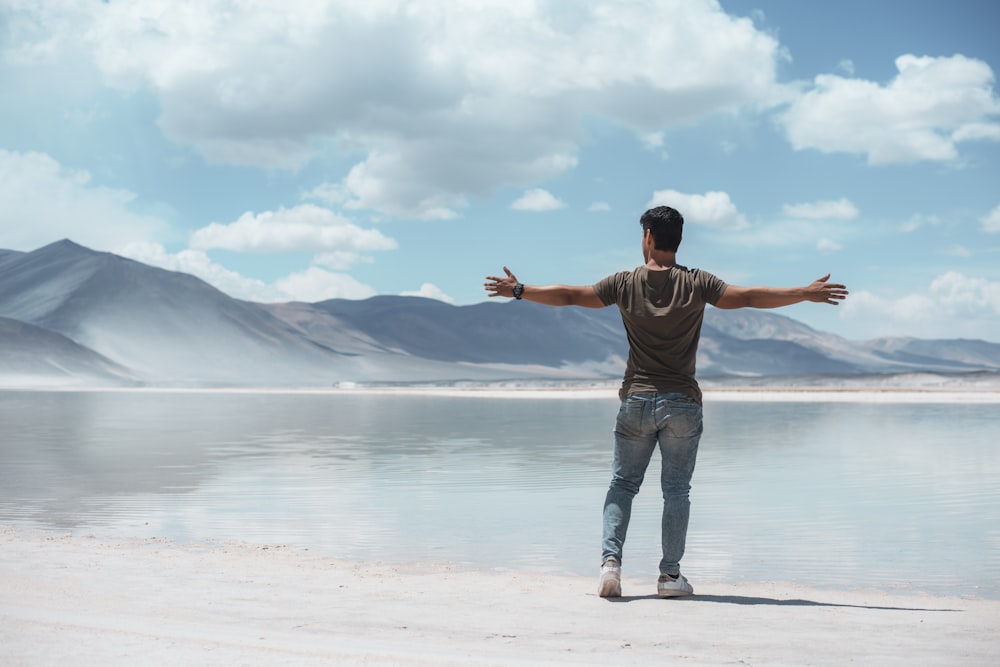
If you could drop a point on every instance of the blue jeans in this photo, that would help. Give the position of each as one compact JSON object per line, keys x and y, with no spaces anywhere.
{"x":644,"y":420}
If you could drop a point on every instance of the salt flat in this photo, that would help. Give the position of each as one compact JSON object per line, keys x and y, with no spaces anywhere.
{"x":83,"y":600}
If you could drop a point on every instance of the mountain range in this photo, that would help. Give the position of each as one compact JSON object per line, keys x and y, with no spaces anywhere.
{"x":74,"y":316}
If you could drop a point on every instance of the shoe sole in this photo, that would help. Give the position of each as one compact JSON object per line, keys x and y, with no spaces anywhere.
{"x":674,"y":594}
{"x":609,"y":588}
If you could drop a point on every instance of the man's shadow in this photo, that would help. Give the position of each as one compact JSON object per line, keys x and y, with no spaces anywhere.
{"x":754,"y":601}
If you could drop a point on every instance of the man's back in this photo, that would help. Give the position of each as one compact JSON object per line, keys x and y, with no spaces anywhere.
{"x":662,"y":311}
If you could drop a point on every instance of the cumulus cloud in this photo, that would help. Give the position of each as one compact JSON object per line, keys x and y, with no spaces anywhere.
{"x":51,"y":202}
{"x":991,"y":221}
{"x":930,"y":106}
{"x":712,"y":209}
{"x":430,"y":291}
{"x":951,"y":297}
{"x":313,"y":284}
{"x":841,"y":209}
{"x":977,"y":132}
{"x":44,"y":201}
{"x":599,"y":207}
{"x":198,"y":263}
{"x":317,"y":284}
{"x":440,"y":100}
{"x":537,"y":199}
{"x":303,"y":228}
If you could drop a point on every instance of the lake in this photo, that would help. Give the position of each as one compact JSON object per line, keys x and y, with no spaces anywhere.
{"x":901,"y":496}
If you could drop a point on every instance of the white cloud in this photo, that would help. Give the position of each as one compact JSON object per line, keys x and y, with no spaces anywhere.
{"x":991,"y":221}
{"x":712,"y":209}
{"x":340,"y":260}
{"x":651,"y":141}
{"x":930,"y":105}
{"x":43,"y":201}
{"x":841,"y":209}
{"x":316,"y":284}
{"x":977,"y":132}
{"x":430,"y":291}
{"x":197,"y":263}
{"x":787,"y":233}
{"x":957,"y":251}
{"x":41,"y":32}
{"x":936,"y":312}
{"x":827,"y":246}
{"x":537,"y":199}
{"x":313,"y":284}
{"x":965,"y":295}
{"x":303,"y":228}
{"x":442,"y":100}
{"x":919,"y":220}
{"x":599,"y":207}
{"x":392,"y":184}
{"x":846,"y":66}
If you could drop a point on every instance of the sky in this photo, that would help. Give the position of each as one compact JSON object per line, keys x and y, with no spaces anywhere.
{"x":307,"y":149}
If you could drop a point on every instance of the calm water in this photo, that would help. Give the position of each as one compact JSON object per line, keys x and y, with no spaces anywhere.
{"x":891,"y":496}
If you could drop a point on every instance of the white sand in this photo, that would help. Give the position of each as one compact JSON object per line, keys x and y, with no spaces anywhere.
{"x":87,"y":601}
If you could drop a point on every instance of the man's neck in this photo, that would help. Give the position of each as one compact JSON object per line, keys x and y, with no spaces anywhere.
{"x":661,"y":260}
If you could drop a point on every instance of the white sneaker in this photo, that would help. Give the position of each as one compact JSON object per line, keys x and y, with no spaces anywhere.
{"x":610,"y":585}
{"x":670,"y":587}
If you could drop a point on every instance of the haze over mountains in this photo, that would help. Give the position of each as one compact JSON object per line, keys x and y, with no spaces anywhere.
{"x":73,"y":316}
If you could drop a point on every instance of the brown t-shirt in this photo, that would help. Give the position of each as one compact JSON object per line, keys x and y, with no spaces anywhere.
{"x":662,"y":312}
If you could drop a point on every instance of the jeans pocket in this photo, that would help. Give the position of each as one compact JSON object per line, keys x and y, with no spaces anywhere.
{"x":629,"y":420}
{"x":680,"y":419}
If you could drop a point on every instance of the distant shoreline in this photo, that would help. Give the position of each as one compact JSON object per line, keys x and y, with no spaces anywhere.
{"x":810,"y":394}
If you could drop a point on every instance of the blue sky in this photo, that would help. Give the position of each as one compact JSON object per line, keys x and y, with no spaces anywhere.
{"x":305,"y":150}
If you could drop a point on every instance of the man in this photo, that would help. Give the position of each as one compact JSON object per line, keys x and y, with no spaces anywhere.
{"x":662,"y":305}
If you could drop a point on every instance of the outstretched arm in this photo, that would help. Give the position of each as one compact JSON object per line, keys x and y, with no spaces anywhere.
{"x":819,"y":291}
{"x":550,"y":295}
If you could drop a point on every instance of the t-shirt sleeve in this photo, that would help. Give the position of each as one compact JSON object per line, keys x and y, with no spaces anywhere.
{"x":711,"y":287}
{"x":608,"y":289}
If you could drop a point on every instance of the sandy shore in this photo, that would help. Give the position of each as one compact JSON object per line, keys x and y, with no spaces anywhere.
{"x":77,"y":600}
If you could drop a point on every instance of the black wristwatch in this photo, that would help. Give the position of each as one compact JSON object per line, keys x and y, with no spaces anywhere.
{"x":518,"y":290}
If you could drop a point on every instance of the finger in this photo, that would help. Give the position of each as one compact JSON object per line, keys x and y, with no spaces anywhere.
{"x":509,"y":274}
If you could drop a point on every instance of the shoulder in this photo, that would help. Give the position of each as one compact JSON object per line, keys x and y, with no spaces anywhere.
{"x":620,"y":277}
{"x":712,"y":285}
{"x":610,"y":287}
{"x":699,"y":274}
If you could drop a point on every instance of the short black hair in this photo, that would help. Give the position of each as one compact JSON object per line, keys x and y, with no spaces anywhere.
{"x":667,"y":226}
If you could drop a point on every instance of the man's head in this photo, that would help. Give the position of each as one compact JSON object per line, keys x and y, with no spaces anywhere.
{"x":666,"y":226}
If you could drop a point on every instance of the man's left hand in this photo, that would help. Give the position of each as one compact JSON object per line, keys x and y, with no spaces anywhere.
{"x":496,"y":286}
